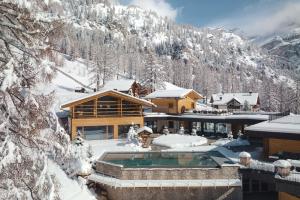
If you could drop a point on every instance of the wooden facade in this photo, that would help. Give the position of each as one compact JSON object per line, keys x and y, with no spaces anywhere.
{"x":286,"y":196}
{"x":176,"y":105}
{"x":106,"y":110}
{"x":276,"y":145}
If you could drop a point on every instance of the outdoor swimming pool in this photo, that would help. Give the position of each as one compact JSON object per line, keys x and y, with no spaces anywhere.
{"x":210,"y":159}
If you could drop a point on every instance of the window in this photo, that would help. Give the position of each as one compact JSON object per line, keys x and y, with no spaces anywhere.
{"x":171,"y":124}
{"x":193,"y":105}
{"x":123,"y":130}
{"x":96,"y":132}
{"x":170,"y":105}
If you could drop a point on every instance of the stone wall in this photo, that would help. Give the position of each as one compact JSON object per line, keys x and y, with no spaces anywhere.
{"x":195,"y":193}
{"x":225,"y":172}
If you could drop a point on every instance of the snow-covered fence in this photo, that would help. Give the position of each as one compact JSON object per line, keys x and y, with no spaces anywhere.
{"x":264,"y":166}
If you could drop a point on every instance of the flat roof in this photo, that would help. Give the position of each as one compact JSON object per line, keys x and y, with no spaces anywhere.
{"x":285,"y":127}
{"x":251,"y":118}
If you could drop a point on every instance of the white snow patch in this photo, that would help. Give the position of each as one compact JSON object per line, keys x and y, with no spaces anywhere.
{"x":179,"y":141}
{"x":101,"y":146}
{"x":231,"y":142}
{"x":69,"y":189}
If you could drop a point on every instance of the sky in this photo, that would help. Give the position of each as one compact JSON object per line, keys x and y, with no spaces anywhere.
{"x":253,"y":17}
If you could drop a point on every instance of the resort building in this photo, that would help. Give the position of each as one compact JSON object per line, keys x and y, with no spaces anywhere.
{"x":174,"y":101}
{"x":127,"y":86}
{"x":236,"y":101}
{"x":280,"y":137}
{"x":105,"y":114}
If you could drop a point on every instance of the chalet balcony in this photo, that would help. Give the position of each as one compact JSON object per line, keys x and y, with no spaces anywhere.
{"x":107,"y":107}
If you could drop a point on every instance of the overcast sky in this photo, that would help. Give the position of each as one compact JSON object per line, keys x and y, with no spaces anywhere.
{"x":254,"y":17}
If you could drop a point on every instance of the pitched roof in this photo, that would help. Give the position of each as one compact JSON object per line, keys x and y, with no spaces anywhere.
{"x":120,"y":84}
{"x":224,"y":98}
{"x":170,"y":86}
{"x":104,"y":93}
{"x":176,"y":93}
{"x":144,"y":128}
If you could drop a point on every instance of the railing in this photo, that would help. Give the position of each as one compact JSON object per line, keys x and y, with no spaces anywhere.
{"x":279,"y":115}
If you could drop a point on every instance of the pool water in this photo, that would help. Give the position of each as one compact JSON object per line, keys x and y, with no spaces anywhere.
{"x":211,"y":159}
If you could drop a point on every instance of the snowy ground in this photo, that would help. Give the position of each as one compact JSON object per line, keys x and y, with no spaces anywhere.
{"x":231,"y":142}
{"x":69,"y":189}
{"x":179,"y":141}
{"x":101,"y":146}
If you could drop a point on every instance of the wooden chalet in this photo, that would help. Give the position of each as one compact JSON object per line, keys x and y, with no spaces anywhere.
{"x":174,"y":101}
{"x":127,"y":86}
{"x":106,"y":114}
{"x":236,"y":101}
{"x":280,"y":137}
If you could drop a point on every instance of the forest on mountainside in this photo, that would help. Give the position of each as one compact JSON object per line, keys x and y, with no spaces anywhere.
{"x":117,"y":40}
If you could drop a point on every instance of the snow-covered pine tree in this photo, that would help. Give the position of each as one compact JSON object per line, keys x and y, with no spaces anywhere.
{"x":246,"y":106}
{"x":29,"y":130}
{"x":154,"y":73}
{"x":104,"y":67}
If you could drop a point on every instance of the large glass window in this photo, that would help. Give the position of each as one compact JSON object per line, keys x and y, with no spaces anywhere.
{"x":123,"y":130}
{"x":96,"y":132}
{"x":152,"y":125}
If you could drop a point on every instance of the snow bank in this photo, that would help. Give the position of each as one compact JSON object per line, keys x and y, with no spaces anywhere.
{"x":231,"y":143}
{"x":99,"y":147}
{"x":69,"y":189}
{"x":254,"y":164}
{"x":179,"y":141}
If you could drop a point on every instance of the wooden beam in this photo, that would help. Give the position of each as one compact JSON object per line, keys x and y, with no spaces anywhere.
{"x":116,"y":131}
{"x":121,"y":107}
{"x":95,"y":107}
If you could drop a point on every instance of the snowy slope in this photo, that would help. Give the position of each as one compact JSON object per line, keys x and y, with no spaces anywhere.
{"x":69,"y":189}
{"x":209,"y":60}
{"x":287,"y":47}
{"x":216,"y":48}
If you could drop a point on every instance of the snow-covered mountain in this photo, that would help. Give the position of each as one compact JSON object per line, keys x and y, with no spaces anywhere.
{"x":117,"y":39}
{"x":287,"y":47}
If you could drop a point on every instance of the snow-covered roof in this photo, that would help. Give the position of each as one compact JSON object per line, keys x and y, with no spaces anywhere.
{"x":170,"y":86}
{"x":144,"y":128}
{"x":102,"y":92}
{"x":174,"y":93}
{"x":287,"y":124}
{"x":120,"y":84}
{"x":260,"y":117}
{"x":224,"y":98}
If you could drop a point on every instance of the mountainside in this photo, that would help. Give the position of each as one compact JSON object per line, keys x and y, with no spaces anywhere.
{"x":287,"y":47}
{"x":121,"y":40}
